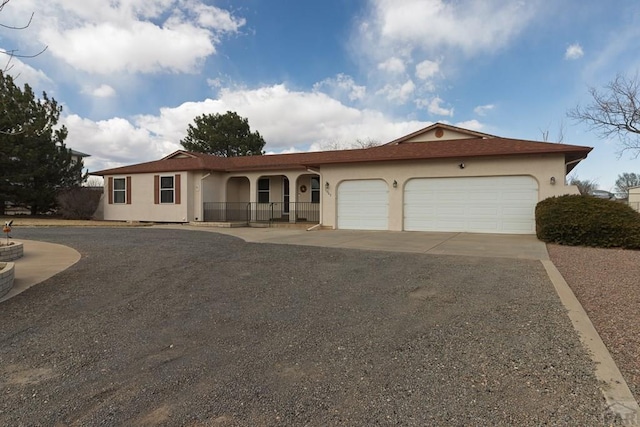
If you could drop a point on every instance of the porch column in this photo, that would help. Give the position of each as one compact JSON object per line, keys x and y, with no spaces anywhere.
{"x":293,"y":196}
{"x":253,"y":196}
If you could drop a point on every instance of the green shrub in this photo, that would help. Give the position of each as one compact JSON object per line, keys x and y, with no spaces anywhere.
{"x":587,"y":221}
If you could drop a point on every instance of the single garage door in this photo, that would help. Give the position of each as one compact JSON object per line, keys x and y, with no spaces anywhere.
{"x":363,"y":205}
{"x":503,"y":204}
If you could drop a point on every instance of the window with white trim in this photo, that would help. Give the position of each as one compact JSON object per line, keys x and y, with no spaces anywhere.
{"x":263,"y":190}
{"x":167,"y":189}
{"x":119,"y":190}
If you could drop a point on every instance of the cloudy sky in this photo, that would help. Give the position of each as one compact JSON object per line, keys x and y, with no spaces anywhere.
{"x":132,"y":74}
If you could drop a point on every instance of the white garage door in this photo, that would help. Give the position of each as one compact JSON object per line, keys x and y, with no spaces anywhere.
{"x":482,"y":205}
{"x":363,"y":205}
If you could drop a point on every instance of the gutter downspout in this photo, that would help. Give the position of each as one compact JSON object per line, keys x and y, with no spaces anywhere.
{"x":201,"y":208}
{"x":317,"y":171}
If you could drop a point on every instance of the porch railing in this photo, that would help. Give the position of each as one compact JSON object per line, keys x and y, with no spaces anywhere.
{"x":226,"y":212}
{"x":261,"y":212}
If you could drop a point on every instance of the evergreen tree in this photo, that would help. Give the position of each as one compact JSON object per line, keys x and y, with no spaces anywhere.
{"x":225,"y":135}
{"x":34,"y":161}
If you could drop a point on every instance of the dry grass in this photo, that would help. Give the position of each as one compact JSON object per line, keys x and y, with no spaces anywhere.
{"x":28,"y":221}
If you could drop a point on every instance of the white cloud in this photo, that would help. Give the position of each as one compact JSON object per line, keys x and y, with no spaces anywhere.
{"x":482,"y":110}
{"x":392,"y":65}
{"x":434,"y":106}
{"x":471,"y":124}
{"x":23,"y":73}
{"x":470,"y":26}
{"x":398,"y":93}
{"x":103,"y":37}
{"x":574,"y":51}
{"x":102,"y":91}
{"x":340,"y":86}
{"x":427,"y":69}
{"x":112,"y":142}
{"x":288,"y":120}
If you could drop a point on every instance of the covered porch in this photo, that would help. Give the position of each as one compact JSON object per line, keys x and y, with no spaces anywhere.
{"x":266,"y":199}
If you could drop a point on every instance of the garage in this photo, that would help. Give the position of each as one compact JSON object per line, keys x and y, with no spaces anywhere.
{"x":363,"y":205}
{"x":504,"y":204}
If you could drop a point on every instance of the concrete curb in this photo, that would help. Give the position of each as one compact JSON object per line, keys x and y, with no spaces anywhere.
{"x":41,"y":260}
{"x":620,"y":400}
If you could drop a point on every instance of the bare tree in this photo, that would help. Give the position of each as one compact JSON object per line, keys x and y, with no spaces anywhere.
{"x":365,"y":143}
{"x":335,"y":145}
{"x":615,"y":112}
{"x":13,"y":53}
{"x":560,"y":135}
{"x":626,"y":181}
{"x":585,"y":186}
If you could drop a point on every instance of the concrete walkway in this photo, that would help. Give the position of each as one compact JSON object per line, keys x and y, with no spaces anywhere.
{"x":41,"y":260}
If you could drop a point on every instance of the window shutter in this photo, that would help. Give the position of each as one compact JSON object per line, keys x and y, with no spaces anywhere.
{"x":110,"y":190}
{"x":176,"y":185}
{"x":128,"y":190}
{"x":156,"y":189}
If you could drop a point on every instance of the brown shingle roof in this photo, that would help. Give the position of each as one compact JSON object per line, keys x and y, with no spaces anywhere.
{"x":458,"y":149}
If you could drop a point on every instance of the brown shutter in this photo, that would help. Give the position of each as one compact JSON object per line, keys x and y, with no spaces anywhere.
{"x":176,"y":185}
{"x":110,"y":190}
{"x":156,"y":189}
{"x":128,"y":180}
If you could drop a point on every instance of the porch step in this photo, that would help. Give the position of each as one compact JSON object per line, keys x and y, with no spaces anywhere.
{"x":296,"y":225}
{"x":218,"y":224}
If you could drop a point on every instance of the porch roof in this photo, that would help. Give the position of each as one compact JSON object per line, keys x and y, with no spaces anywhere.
{"x":452,"y":149}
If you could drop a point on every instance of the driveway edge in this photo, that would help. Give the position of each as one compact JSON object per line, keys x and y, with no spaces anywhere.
{"x":620,"y":400}
{"x":41,"y":261}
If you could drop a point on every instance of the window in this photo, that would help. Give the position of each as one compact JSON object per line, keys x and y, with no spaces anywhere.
{"x":119,"y":190}
{"x":263,"y":190}
{"x":166,"y":189}
{"x":315,"y":189}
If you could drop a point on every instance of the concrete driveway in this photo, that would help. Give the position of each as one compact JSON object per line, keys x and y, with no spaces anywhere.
{"x":170,"y":327}
{"x":463,"y":244}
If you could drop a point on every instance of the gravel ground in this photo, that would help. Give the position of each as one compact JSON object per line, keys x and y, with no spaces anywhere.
{"x":607,"y":284}
{"x":171,"y":327}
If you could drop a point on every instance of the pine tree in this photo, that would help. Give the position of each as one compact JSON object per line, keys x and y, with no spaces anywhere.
{"x":34,"y":161}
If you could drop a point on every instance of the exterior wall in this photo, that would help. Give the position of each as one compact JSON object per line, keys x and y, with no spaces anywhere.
{"x":306,"y":181}
{"x":634,"y":198}
{"x":541,"y":168}
{"x":446,"y":135}
{"x":143,"y":208}
{"x":238,"y":190}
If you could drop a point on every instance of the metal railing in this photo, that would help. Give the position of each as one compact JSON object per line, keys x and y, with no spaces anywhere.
{"x":226,"y":212}
{"x":261,"y":212}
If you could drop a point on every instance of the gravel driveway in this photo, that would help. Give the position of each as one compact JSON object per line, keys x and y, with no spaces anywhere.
{"x":170,"y":327}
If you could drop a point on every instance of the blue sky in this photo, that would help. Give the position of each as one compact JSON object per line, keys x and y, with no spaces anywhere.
{"x":132,"y":74}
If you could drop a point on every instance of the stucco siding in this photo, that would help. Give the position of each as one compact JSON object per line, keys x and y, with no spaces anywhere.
{"x":143,"y":208}
{"x":634,"y":198}
{"x":540,"y":168}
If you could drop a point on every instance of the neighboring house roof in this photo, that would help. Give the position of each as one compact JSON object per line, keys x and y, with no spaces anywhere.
{"x":442,"y":149}
{"x":79,"y":153}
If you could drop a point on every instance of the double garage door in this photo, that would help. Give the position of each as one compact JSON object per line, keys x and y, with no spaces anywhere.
{"x":481,"y":205}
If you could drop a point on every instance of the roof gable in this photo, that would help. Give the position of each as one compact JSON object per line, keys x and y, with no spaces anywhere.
{"x":180,"y":154}
{"x":440,"y":132}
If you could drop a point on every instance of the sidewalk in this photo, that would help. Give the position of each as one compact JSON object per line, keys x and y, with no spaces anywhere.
{"x":41,"y":260}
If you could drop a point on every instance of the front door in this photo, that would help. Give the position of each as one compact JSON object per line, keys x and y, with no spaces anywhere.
{"x":285,"y":195}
